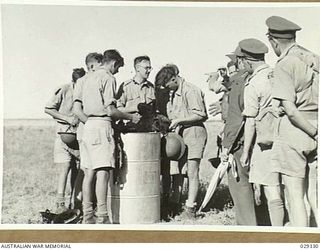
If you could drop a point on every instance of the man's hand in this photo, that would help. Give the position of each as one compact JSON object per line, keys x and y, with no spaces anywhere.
{"x":257,"y":193}
{"x":215,"y":108}
{"x":72,"y":120}
{"x":224,"y":157}
{"x":245,"y":160}
{"x":174,"y":123}
{"x":135,"y":118}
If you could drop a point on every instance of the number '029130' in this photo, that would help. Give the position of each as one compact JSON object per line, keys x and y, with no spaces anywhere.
{"x":309,"y":246}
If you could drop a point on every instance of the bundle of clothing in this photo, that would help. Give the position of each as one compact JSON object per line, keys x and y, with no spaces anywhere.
{"x":151,"y":121}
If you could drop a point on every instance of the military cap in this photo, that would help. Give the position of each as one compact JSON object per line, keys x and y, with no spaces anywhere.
{"x":238,"y":52}
{"x":252,"y":48}
{"x":280,"y":27}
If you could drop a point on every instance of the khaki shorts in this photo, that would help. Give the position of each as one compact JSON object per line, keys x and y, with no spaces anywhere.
{"x":62,"y":153}
{"x":260,"y":168}
{"x":292,"y":149}
{"x":195,"y":138}
{"x":98,"y":147}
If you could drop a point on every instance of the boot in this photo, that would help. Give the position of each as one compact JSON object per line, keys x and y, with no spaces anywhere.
{"x":102,"y":214}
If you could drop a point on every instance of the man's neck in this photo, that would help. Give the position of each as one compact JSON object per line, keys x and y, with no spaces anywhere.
{"x":139,"y":79}
{"x":106,"y":67}
{"x":285,"y":46}
{"x":256,"y":65}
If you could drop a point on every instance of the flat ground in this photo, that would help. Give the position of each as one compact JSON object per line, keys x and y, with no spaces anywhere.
{"x":29,"y":177}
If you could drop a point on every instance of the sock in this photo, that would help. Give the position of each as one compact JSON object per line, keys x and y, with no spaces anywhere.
{"x":188,"y":204}
{"x":102,"y":209}
{"x":87,"y":208}
{"x":276,"y":212}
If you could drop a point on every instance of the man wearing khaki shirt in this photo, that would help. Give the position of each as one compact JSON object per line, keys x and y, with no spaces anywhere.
{"x":138,"y":89}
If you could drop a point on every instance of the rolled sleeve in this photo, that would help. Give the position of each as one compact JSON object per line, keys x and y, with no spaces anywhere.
{"x":283,"y":86}
{"x":196,"y":104}
{"x":108,"y":92}
{"x":251,"y":102}
{"x":56,"y":100}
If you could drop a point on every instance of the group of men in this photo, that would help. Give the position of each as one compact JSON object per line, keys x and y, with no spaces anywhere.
{"x":285,"y":98}
{"x":93,"y":105}
{"x":279,"y":108}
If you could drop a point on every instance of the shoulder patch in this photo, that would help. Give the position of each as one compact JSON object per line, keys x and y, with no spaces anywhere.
{"x":308,"y":57}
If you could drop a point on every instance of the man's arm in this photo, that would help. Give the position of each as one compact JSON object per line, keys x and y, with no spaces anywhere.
{"x":249,"y":132}
{"x":122,"y":101}
{"x":116,"y":114}
{"x":78,"y":111}
{"x":128,"y":109}
{"x":186,"y":121}
{"x":298,"y":119}
{"x":72,"y":120}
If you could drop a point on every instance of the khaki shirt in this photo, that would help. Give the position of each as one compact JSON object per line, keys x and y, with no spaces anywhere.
{"x":257,"y":91}
{"x":293,"y":78}
{"x":96,"y":91}
{"x":131,"y":93}
{"x":186,"y":101}
{"x":62,"y":101}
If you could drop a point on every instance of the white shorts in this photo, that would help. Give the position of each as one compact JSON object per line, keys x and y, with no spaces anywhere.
{"x":98,"y":147}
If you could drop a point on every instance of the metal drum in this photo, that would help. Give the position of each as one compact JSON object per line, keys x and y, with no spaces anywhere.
{"x":135,"y":198}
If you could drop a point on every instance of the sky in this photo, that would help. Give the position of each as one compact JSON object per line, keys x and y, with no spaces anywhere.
{"x":42,"y":43}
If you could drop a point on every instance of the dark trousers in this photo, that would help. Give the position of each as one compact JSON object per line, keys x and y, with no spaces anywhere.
{"x":242,"y":194}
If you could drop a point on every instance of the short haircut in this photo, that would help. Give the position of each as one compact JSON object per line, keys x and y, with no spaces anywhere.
{"x":175,"y":67}
{"x":113,"y":55}
{"x":94,"y":57}
{"x":77,"y":73}
{"x":140,"y":59}
{"x":165,"y":74}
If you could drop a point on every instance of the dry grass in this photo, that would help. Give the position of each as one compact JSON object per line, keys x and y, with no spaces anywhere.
{"x":29,"y":178}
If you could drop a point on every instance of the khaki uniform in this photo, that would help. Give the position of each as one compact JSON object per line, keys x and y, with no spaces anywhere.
{"x":131,"y":93}
{"x":293,"y":149}
{"x":240,"y":189}
{"x":62,"y":101}
{"x":257,"y":97}
{"x":186,"y":101}
{"x":96,"y":93}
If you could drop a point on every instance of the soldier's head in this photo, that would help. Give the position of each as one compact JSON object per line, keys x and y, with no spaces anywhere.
{"x":77,"y":73}
{"x":93,"y":61}
{"x":252,"y":53}
{"x":167,"y":78}
{"x":112,"y":60}
{"x":281,"y":33}
{"x":238,"y":58}
{"x":142,"y":66}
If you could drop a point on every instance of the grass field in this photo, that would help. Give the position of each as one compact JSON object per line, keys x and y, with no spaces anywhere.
{"x":29,"y":176}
